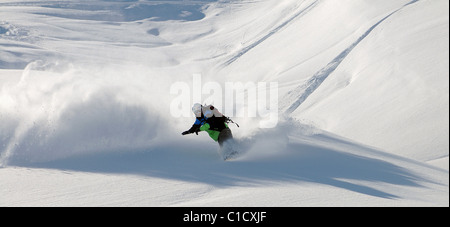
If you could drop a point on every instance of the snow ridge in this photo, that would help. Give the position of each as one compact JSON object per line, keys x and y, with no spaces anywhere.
{"x":302,"y":92}
{"x":272,"y":32}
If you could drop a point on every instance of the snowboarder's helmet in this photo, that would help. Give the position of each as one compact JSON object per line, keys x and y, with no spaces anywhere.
{"x":197,"y":108}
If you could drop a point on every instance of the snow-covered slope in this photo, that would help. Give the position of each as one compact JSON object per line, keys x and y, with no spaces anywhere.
{"x":85,"y":102}
{"x":395,"y":95}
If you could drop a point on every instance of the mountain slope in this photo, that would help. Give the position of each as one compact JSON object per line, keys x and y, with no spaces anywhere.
{"x":86,"y":118}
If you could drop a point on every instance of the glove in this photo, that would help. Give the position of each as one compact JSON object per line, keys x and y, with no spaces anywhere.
{"x":185,"y":133}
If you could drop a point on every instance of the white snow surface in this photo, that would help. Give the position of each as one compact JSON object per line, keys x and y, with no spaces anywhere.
{"x":363,"y":102}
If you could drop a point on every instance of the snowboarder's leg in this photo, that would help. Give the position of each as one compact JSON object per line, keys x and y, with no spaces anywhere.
{"x":227,"y":145}
{"x":224,"y":136}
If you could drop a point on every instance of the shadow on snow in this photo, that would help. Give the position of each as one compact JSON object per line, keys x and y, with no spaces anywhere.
{"x":126,"y":12}
{"x":298,"y":162}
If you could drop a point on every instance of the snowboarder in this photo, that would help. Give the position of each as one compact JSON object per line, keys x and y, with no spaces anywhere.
{"x":209,"y":119}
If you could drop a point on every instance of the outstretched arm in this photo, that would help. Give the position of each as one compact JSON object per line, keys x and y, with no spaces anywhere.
{"x":194,"y":129}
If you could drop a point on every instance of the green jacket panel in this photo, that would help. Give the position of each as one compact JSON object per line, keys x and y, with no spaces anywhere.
{"x":213,"y":134}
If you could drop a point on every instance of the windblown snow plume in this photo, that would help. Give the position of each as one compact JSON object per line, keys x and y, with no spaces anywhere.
{"x":58,"y":109}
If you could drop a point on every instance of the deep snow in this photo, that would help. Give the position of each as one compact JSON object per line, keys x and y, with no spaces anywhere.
{"x":363,"y":102}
